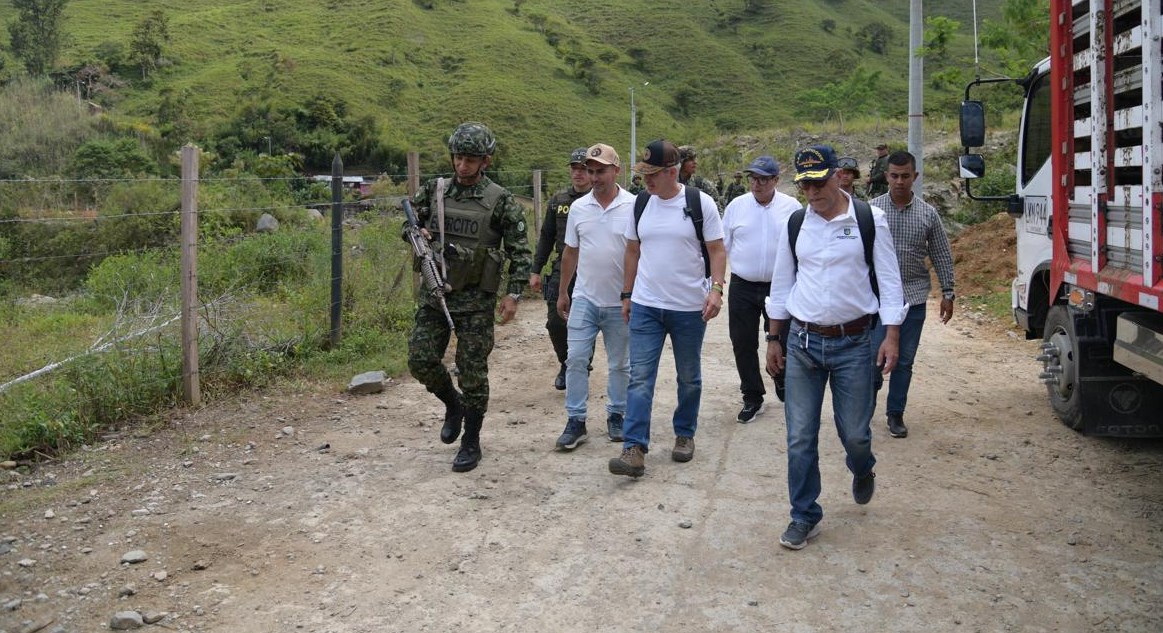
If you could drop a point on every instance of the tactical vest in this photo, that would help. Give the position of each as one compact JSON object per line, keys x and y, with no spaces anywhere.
{"x":472,"y":247}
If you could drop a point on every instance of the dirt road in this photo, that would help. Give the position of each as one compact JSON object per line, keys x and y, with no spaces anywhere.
{"x":991,"y":516}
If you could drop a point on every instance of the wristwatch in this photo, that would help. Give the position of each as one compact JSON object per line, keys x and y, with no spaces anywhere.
{"x":948,"y":294}
{"x":774,"y":337}
{"x":515,"y":296}
{"x":626,"y":295}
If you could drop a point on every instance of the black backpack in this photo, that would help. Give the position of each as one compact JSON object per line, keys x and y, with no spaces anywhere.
{"x":693,"y":210}
{"x":864,"y":223}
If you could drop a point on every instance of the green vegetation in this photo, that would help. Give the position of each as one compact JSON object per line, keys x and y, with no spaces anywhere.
{"x":96,"y":98}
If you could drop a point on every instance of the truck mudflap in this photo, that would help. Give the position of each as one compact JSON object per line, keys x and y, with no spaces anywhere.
{"x":1122,"y":406}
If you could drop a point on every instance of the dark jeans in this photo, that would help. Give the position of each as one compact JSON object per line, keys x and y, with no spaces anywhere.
{"x":744,"y":314}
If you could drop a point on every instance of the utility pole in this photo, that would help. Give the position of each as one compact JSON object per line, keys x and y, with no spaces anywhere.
{"x":916,"y":92}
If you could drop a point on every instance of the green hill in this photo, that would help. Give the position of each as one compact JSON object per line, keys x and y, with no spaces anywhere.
{"x":546,"y":76}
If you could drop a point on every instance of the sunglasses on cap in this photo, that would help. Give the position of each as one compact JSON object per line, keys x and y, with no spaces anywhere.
{"x":847,"y":163}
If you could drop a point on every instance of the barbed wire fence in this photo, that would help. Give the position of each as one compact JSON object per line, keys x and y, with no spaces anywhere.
{"x":123,"y":269}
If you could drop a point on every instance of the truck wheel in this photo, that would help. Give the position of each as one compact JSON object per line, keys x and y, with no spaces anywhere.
{"x":1059,"y":356}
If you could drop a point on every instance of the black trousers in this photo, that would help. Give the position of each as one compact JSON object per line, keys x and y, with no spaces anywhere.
{"x":745,"y":313}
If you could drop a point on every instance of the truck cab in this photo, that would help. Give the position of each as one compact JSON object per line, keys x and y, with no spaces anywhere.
{"x":1088,"y":211}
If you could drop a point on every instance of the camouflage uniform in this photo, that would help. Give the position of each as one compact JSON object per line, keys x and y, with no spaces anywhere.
{"x":878,"y":177}
{"x":471,"y":306}
{"x":734,"y":190}
{"x":704,"y":184}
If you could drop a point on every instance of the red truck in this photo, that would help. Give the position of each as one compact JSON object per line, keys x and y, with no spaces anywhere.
{"x":1088,"y":209}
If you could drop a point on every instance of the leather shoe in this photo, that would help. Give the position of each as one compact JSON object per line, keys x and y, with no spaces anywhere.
{"x":559,"y":382}
{"x":896,"y":425}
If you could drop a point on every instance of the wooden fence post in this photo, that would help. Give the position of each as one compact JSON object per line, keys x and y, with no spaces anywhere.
{"x":191,"y":385}
{"x":413,"y":173}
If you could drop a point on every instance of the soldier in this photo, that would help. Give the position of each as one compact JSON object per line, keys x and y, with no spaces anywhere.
{"x":552,"y":240}
{"x":689,"y":163}
{"x":734,"y":190}
{"x":878,"y":173}
{"x":848,"y":172}
{"x":483,"y":225}
{"x":636,"y":186}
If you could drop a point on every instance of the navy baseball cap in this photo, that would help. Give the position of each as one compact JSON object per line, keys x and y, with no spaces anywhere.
{"x":578,"y":156}
{"x":764,"y":166}
{"x":817,"y":162}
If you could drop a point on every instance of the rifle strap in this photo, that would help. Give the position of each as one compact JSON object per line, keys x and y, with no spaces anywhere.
{"x":439,"y":195}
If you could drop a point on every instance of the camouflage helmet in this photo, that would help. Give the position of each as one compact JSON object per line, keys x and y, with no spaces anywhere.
{"x":685,"y":152}
{"x":578,"y":156}
{"x":472,"y":139}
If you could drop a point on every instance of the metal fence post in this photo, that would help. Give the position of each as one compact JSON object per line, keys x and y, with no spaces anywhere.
{"x":336,"y":248}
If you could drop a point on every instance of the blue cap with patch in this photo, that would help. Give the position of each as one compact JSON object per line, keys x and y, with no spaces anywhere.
{"x":817,"y":162}
{"x":764,"y":166}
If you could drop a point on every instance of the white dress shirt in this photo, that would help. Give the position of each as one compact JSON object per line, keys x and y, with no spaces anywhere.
{"x":751,"y":230}
{"x":831,"y":286}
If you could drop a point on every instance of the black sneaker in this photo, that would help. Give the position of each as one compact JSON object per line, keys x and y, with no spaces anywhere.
{"x":573,"y":435}
{"x":614,"y":426}
{"x":749,"y":411}
{"x":559,"y":382}
{"x":797,"y":534}
{"x":896,"y":425}
{"x":863,"y":487}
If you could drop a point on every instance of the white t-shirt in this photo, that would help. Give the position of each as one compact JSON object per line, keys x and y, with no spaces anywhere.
{"x":670,"y":264}
{"x":599,"y":236}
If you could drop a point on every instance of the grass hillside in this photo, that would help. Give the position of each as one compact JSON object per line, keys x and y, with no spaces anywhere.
{"x":546,"y":76}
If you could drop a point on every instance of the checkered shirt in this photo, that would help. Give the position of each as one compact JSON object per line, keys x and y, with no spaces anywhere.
{"x":917,"y":232}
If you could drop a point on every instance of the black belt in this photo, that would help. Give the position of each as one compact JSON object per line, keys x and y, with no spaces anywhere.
{"x":855,"y":326}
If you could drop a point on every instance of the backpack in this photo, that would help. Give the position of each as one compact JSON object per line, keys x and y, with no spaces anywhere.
{"x":864,"y":223}
{"x":693,"y":210}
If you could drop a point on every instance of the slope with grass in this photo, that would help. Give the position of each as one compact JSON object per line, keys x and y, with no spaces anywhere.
{"x":543,"y":74}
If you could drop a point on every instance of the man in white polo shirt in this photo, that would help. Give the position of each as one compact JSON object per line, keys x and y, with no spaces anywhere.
{"x":752,"y":224}
{"x":673,"y":286}
{"x":595,"y":250}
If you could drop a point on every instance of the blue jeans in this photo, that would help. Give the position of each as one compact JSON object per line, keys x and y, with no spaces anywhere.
{"x":902,"y":374}
{"x":649,"y":328}
{"x":585,"y":321}
{"x":813,"y":360}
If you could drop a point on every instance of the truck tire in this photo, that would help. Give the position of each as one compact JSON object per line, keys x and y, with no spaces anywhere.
{"x":1060,"y":353}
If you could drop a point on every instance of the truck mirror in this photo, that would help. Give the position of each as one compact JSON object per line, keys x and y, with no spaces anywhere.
{"x":972,"y":166}
{"x":972,"y":124}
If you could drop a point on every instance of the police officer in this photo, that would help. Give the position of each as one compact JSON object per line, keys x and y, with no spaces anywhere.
{"x":552,"y":240}
{"x":483,"y":227}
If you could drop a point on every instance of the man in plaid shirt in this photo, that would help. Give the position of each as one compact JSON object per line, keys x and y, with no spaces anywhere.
{"x":917,"y":233}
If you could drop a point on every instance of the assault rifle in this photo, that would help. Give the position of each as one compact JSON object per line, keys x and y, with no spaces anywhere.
{"x":430,"y":275}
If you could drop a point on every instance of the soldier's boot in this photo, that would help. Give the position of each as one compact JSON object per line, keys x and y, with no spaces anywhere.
{"x":469,"y":454}
{"x":453,"y":415}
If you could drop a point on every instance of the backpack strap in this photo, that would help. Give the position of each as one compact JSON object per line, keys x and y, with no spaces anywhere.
{"x":693,"y":209}
{"x":867,"y":228}
{"x":864,"y":223}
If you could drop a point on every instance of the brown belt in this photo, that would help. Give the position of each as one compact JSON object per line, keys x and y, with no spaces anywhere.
{"x":853,"y":327}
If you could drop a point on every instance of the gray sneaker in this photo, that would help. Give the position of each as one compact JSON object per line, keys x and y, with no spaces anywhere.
{"x":684,"y":449}
{"x":574,"y":434}
{"x":614,"y":426}
{"x":797,"y":534}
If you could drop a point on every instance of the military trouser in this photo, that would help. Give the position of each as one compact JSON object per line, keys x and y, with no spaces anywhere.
{"x":474,"y":342}
{"x":558,"y":331}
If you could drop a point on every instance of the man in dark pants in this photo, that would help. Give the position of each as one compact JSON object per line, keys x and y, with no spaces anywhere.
{"x":552,"y":240}
{"x":475,"y":225}
{"x":752,"y":225}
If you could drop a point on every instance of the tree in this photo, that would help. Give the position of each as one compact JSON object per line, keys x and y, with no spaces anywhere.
{"x":37,"y":35}
{"x":874,"y":36}
{"x":1022,"y":37}
{"x":149,"y":36}
{"x":850,"y":96}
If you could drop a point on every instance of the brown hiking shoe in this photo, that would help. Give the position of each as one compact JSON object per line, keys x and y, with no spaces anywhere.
{"x":632,"y":463}
{"x":684,"y":449}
